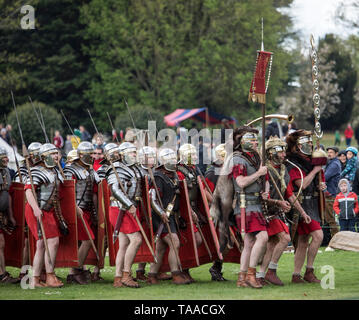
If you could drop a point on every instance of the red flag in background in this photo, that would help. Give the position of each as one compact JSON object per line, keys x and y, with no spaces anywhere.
{"x":257,"y":91}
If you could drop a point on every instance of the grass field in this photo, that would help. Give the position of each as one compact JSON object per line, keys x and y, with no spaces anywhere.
{"x":345,"y":266}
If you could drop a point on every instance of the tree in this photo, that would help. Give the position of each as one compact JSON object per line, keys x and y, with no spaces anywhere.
{"x":337,"y":79}
{"x":182,"y":53}
{"x":47,"y":63}
{"x":30,"y":126}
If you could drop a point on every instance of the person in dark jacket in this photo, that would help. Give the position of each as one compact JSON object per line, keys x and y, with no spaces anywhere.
{"x":342,"y":156}
{"x":332,"y":176}
{"x":346,"y":206}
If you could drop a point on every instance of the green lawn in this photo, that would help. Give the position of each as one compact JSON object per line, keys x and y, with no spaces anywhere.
{"x":345,"y":266}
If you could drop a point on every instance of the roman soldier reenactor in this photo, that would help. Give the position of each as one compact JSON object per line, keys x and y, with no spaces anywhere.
{"x":300,"y":152}
{"x":34,"y":158}
{"x":248,"y":179}
{"x":165,"y":211}
{"x":86,"y":200}
{"x":187,"y":169}
{"x":125,"y":185}
{"x":7,"y":221}
{"x":44,"y":178}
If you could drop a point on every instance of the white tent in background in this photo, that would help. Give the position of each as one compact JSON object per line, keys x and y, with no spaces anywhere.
{"x":10,"y":154}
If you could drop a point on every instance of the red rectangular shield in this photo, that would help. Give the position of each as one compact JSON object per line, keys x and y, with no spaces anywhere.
{"x":100,"y":231}
{"x":14,"y":243}
{"x":67,"y":254}
{"x":112,"y":248}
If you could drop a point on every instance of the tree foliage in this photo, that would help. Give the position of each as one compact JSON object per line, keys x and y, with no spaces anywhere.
{"x":182,"y":53}
{"x":337,"y":80}
{"x":30,"y":126}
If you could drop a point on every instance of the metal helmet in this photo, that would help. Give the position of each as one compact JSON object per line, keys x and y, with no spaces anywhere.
{"x":84,"y":151}
{"x":3,"y":156}
{"x":46,"y":150}
{"x":147,"y":156}
{"x":111,"y":152}
{"x":168,"y":158}
{"x":72,"y":156}
{"x":126,"y":148}
{"x":34,"y":151}
{"x":188,"y":154}
{"x":305,"y":144}
{"x":247,"y":140}
{"x":273,"y":146}
{"x":220,"y":153}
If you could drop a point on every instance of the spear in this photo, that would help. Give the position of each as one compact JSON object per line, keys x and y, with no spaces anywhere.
{"x":42,"y":125}
{"x":25,"y":153}
{"x":113,"y":129}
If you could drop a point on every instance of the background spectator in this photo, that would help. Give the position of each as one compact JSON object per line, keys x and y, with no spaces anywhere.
{"x":337,"y":138}
{"x":4,"y":135}
{"x":342,"y":156}
{"x":98,"y":157}
{"x":58,"y":140}
{"x":68,"y":144}
{"x":85,"y":136}
{"x":348,"y":133}
{"x":75,"y":140}
{"x":332,"y":176}
{"x":351,"y":165}
{"x":346,"y":206}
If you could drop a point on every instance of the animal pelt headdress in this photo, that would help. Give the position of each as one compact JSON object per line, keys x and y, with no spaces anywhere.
{"x":292,"y":140}
{"x":239,"y":132}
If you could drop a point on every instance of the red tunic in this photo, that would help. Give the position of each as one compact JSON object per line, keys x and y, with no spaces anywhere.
{"x":49,"y":220}
{"x":129,"y":223}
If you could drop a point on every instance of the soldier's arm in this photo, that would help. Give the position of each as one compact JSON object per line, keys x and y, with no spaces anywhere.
{"x":309,"y":178}
{"x":33,"y":203}
{"x":244,"y":181}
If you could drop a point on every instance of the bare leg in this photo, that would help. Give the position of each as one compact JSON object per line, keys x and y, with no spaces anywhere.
{"x":300,"y":253}
{"x":120,"y":258}
{"x":172,"y":260}
{"x":317,"y":238}
{"x":53,"y":244}
{"x":161,"y":247}
{"x":272,"y":242}
{"x":284,"y":239}
{"x":135,"y":243}
{"x":258,"y":248}
{"x":248,"y":245}
{"x":38,"y":262}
